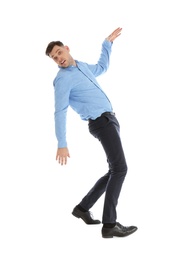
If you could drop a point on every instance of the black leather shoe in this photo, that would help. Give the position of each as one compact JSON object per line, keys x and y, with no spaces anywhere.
{"x":85,"y":216}
{"x":118,"y":231}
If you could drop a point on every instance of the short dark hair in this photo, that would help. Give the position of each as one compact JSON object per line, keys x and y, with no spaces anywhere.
{"x":51,"y":45}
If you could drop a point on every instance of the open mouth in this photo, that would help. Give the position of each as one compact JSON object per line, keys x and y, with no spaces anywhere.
{"x":61,"y":63}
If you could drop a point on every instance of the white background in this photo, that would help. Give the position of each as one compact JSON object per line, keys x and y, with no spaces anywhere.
{"x":36,"y":194}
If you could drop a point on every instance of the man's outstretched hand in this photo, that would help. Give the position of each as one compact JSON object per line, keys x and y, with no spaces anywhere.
{"x":62,"y":154}
{"x":114,"y":34}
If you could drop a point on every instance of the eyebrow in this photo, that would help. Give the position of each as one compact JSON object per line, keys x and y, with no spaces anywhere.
{"x":55,"y":53}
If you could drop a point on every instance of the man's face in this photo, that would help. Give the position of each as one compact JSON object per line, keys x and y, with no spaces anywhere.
{"x":62,"y":56}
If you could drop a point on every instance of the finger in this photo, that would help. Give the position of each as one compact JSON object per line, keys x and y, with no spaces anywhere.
{"x":118,"y":29}
{"x":118,"y":32}
{"x":59,"y":159}
{"x":115,"y":31}
{"x":63,"y":160}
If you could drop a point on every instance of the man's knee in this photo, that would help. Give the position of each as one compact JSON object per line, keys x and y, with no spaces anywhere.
{"x":120,"y":168}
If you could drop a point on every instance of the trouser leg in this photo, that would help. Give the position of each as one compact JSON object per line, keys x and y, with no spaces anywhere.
{"x":106,"y":129}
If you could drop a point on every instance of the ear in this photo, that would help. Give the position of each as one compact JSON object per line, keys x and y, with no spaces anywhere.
{"x":67,"y":48}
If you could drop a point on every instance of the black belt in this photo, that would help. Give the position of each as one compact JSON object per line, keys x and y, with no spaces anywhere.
{"x":104,"y":114}
{"x":108,"y":113}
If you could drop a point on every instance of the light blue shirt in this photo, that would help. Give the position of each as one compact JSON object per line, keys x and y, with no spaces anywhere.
{"x":77,"y":87}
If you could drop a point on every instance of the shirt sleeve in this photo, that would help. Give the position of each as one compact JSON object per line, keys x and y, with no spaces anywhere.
{"x":104,"y":59}
{"x":61,"y":93}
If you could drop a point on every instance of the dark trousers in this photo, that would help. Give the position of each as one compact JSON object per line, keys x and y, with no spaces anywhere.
{"x":107,"y":130}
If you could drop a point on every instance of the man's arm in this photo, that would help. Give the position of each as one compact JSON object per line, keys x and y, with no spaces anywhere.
{"x":103,"y":63}
{"x":61,"y":104}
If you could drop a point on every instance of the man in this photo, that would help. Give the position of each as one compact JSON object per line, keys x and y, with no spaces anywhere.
{"x":76,"y":86}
